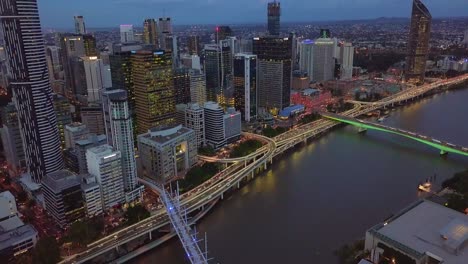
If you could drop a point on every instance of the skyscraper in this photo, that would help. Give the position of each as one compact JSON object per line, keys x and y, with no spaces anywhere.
{"x":222,"y":32}
{"x":274,"y":72}
{"x":154,"y":89}
{"x":212,"y":71}
{"x":80,"y":27}
{"x":165,"y":29}
{"x":32,"y":94}
{"x":197,"y":87}
{"x":274,"y":13}
{"x":150,"y":32}
{"x":306,"y":57}
{"x":121,"y":133}
{"x":126,"y":33}
{"x":245,"y":85}
{"x":418,"y":43}
{"x":323,"y":61}
{"x":182,"y":85}
{"x":193,"y":45}
{"x":346,"y":61}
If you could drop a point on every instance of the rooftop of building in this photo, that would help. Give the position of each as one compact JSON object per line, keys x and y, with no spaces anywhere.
{"x":92,"y":139}
{"x":116,"y":95}
{"x":16,"y":235}
{"x":193,"y":106}
{"x":10,"y":224}
{"x":286,"y":112}
{"x":103,"y":150}
{"x":428,"y":227}
{"x":27,"y":183}
{"x":61,"y":180}
{"x":162,"y":135}
{"x":212,"y":106}
{"x":75,"y":126}
{"x":7,"y":195}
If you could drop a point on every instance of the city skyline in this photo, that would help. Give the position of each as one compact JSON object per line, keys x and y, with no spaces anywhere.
{"x":185,"y":12}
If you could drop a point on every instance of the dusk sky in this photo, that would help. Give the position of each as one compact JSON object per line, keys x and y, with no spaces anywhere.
{"x":106,"y":13}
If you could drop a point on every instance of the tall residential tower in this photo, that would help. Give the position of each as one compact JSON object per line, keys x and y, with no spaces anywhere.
{"x":418,"y":43}
{"x":32,"y":94}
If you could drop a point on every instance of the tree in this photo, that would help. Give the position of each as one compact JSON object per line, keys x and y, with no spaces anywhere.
{"x":84,"y":232}
{"x":136,"y":213}
{"x":207,"y":151}
{"x":46,"y":251}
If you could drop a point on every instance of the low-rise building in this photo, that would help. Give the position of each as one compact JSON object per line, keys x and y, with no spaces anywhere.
{"x":16,"y":238}
{"x":81,"y":146}
{"x":425,"y":232}
{"x":7,"y":205}
{"x":166,"y":153}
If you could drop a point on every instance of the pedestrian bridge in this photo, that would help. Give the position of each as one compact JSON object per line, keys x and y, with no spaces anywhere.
{"x":444,"y":147}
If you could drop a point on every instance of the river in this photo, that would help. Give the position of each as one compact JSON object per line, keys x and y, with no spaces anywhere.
{"x":327,"y":193}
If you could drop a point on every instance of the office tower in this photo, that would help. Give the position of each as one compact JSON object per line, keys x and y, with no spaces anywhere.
{"x":82,"y":146}
{"x":245,"y":46}
{"x":418,"y":43}
{"x":306,"y":57}
{"x":154,"y":89}
{"x":93,"y":118}
{"x":150,"y":32}
{"x":54,"y":62}
{"x":222,"y":32}
{"x":294,"y":50}
{"x":165,"y":29}
{"x":74,"y":132}
{"x":121,"y":74}
{"x":212,"y":71}
{"x":63,"y":198}
{"x":126,"y":33}
{"x":94,"y":69}
{"x":214,"y":125}
{"x":64,"y":118}
{"x":232,"y":125}
{"x":70,"y":158}
{"x":182,"y":86}
{"x":226,"y":68}
{"x":180,"y":114}
{"x":197,"y":87}
{"x":171,"y":45}
{"x":138,"y":37}
{"x":274,"y":13}
{"x":166,"y":153}
{"x":300,"y":80}
{"x":11,"y":139}
{"x":31,"y":87}
{"x":274,"y":72}
{"x":346,"y":60}
{"x":121,"y":133}
{"x":218,"y":71}
{"x":80,"y":27}
{"x":195,"y":120}
{"x":190,"y":61}
{"x":193,"y":45}
{"x":72,"y":48}
{"x":91,"y":195}
{"x":245,"y":85}
{"x":89,"y":43}
{"x":105,"y":164}
{"x":165,"y":25}
{"x":323,"y":61}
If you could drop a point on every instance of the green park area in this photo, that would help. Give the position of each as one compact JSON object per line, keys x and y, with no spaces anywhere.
{"x":273,"y":132}
{"x":459,"y":183}
{"x":245,"y":148}
{"x":207,"y":151}
{"x":197,"y":175}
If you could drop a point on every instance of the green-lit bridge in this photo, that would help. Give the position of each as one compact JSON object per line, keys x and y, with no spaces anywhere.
{"x":444,"y":147}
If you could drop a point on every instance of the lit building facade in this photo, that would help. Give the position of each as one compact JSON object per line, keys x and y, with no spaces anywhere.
{"x":245,"y":85}
{"x":63,"y":198}
{"x":154,"y":89}
{"x":167,"y":153}
{"x":150,"y":32}
{"x":105,"y":164}
{"x":306,"y":57}
{"x":274,"y":72}
{"x":32,"y":94}
{"x":274,"y":14}
{"x":182,"y":85}
{"x":418,"y":43}
{"x":197,"y":87}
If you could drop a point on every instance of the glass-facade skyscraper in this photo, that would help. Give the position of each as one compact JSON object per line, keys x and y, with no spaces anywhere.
{"x":245,"y":85}
{"x":32,"y":94}
{"x":418,"y":43}
{"x":274,"y":13}
{"x":150,"y":32}
{"x":154,"y":89}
